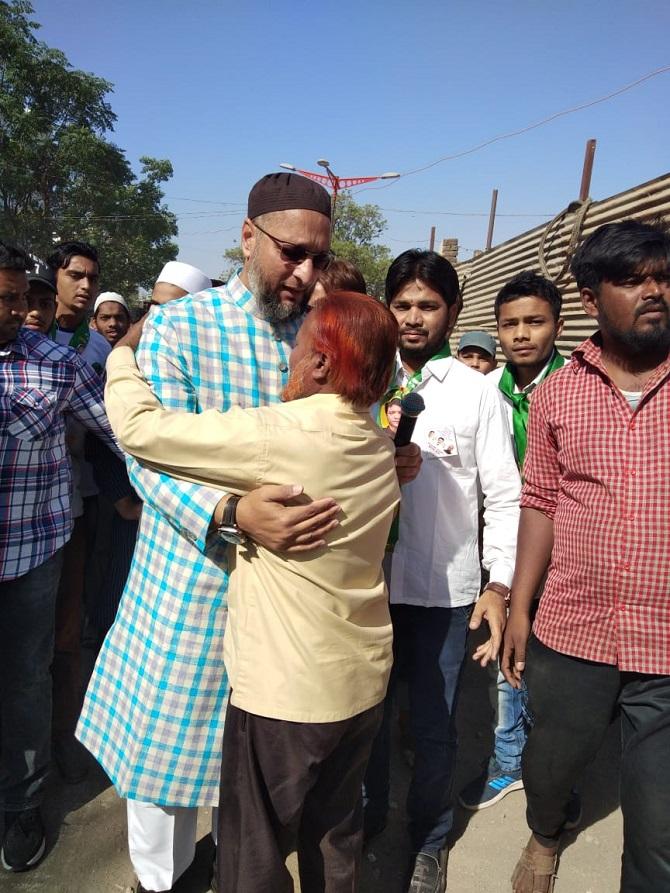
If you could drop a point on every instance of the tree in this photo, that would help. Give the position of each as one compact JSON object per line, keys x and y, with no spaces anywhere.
{"x":355,"y":233}
{"x":61,"y":177}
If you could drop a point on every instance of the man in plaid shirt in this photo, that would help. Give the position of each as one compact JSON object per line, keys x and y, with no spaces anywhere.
{"x":155,"y":707}
{"x":595,"y":511}
{"x":39,"y":382}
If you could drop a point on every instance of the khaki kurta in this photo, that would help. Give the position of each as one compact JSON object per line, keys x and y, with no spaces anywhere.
{"x":309,"y":636}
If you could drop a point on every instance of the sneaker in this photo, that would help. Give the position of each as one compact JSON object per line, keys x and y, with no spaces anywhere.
{"x":24,"y":842}
{"x":574,"y":812}
{"x":429,"y":874}
{"x":489,"y":788}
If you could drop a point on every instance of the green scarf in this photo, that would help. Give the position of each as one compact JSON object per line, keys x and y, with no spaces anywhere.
{"x":395,"y":393}
{"x":80,"y":337}
{"x":521,"y":403}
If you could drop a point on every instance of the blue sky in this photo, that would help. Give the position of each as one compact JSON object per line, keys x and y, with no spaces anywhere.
{"x":228,"y":91}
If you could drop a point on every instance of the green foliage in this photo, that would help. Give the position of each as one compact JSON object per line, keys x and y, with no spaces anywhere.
{"x":61,"y":177}
{"x":355,"y":234}
{"x":234,"y":258}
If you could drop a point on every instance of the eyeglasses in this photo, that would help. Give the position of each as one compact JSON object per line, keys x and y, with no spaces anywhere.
{"x":296,"y":254}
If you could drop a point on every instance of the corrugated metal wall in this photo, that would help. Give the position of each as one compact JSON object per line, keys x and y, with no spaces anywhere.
{"x":482,"y":277}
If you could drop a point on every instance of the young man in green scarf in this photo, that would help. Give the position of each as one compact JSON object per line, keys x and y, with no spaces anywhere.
{"x":528,"y":316}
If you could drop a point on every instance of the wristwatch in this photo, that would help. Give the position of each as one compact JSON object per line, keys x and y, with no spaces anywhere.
{"x":228,"y":529}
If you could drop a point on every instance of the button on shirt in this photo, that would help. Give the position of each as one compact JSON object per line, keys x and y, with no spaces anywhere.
{"x":436,"y":559}
{"x":40,"y":382}
{"x":309,"y":637}
{"x":601,"y":471}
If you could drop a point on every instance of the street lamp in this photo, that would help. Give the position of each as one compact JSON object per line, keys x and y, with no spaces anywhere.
{"x":333,"y":181}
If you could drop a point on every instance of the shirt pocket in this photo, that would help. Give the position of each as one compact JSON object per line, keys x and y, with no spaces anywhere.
{"x":32,"y":414}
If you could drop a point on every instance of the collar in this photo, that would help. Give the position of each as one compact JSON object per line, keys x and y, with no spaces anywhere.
{"x":530,"y":387}
{"x":589,"y":353}
{"x":438,"y":369}
{"x":17,"y":347}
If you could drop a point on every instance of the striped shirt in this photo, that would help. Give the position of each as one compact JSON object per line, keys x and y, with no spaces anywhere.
{"x":601,"y":470}
{"x":155,"y":707}
{"x":40,"y":382}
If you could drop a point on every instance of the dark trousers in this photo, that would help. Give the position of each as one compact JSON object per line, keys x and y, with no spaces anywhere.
{"x":288,"y":785}
{"x":27,"y":612}
{"x":429,"y":649}
{"x":66,"y":669}
{"x":572,"y":703}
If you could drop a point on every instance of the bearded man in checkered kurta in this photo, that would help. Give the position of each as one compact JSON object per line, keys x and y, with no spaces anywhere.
{"x":154,"y":710}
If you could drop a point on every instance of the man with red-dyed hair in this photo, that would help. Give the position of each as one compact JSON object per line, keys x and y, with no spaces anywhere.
{"x":308,"y":641}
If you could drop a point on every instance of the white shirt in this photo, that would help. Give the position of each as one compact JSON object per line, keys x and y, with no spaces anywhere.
{"x":436,"y":559}
{"x":494,"y":378}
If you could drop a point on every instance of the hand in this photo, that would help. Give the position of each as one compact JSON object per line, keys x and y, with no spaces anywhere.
{"x":513,"y":661}
{"x":407,"y":463}
{"x":492,"y":608}
{"x":132,"y":337}
{"x":128,"y":508}
{"x":271,"y":518}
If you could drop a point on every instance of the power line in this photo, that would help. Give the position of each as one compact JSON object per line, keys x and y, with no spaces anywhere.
{"x":505,"y":136}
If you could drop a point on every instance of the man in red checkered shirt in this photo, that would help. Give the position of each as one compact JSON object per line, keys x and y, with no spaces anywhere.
{"x":595,"y":510}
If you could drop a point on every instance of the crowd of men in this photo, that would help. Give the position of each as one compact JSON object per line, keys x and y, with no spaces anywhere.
{"x":212,"y":499}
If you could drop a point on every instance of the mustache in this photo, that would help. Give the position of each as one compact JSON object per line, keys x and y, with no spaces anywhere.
{"x":413,"y":331}
{"x":651,"y":306}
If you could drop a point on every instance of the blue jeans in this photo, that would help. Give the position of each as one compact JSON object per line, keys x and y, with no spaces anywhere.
{"x":27,"y":621}
{"x":429,"y":650}
{"x":512,"y":729}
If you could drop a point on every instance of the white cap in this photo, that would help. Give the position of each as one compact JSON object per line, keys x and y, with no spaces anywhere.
{"x":109,"y":296}
{"x":191,"y":279}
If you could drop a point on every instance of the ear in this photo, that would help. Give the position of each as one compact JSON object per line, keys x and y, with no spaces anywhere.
{"x":559,"y":326}
{"x":589,"y":302}
{"x":93,"y":324}
{"x":248,"y":238}
{"x":321,"y":369}
{"x":454,"y":310}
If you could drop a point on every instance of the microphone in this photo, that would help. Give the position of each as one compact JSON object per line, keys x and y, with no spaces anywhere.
{"x":410,"y":407}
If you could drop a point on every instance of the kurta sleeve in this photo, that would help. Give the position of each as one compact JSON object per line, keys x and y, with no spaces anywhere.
{"x":211,"y":448}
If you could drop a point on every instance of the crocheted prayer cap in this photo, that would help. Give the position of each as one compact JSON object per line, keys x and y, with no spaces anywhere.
{"x":284,"y":192}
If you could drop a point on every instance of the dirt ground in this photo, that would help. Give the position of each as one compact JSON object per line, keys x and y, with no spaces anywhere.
{"x":87,"y":829}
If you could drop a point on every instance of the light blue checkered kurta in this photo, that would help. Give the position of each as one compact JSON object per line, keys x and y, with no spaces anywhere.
{"x":154,"y":709}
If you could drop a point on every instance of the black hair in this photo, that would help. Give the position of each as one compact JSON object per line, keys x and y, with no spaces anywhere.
{"x":426,"y":266}
{"x":617,"y":251}
{"x":60,"y":258}
{"x":13,"y":258}
{"x":529,"y":284}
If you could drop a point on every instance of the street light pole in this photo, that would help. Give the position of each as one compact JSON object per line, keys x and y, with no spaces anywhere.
{"x":329,"y":179}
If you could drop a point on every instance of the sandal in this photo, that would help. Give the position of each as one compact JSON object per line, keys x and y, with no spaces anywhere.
{"x":534,"y":873}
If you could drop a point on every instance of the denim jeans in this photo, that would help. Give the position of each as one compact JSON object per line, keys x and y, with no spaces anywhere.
{"x":511,"y":731}
{"x":429,"y":649}
{"x":27,"y":620}
{"x":572,"y":702}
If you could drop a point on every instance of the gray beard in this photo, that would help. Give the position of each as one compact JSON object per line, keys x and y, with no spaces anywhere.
{"x":271,"y":308}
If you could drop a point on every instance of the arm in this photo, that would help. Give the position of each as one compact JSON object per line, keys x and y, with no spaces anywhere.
{"x":187,"y":507}
{"x":86,"y":404}
{"x":501,"y":485}
{"x":536,"y":533}
{"x":267,"y":514}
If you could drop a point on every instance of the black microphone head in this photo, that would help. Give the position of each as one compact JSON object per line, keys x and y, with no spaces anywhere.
{"x":412,"y":404}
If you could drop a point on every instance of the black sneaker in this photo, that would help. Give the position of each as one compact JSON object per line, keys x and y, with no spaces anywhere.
{"x":24,"y":842}
{"x":430,"y":873}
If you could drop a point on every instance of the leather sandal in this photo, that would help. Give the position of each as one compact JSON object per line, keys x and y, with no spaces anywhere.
{"x":534,"y":873}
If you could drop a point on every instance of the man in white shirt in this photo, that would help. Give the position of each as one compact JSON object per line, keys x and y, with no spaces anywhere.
{"x":436,"y":576}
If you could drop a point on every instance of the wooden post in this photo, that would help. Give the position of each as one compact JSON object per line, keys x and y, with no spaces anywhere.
{"x":431,"y":242}
{"x":587,"y":170}
{"x":492,"y":219}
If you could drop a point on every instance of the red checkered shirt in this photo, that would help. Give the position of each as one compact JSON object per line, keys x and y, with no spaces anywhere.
{"x":602,"y":472}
